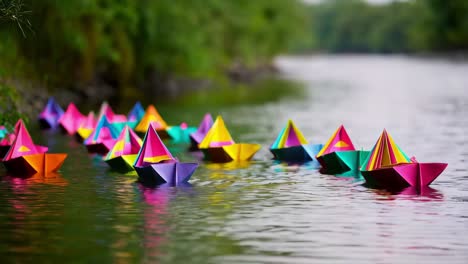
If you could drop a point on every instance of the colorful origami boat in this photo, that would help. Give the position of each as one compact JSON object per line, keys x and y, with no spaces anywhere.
{"x":49,"y":117}
{"x":218,"y":145}
{"x":135,"y":115}
{"x":25,"y":159}
{"x":123,"y":154}
{"x":71,"y":119}
{"x":291,"y":146}
{"x":339,"y":155}
{"x":152,"y":116}
{"x":107,"y":111}
{"x":103,"y":137}
{"x":86,"y":127}
{"x":180,"y":134}
{"x":155,"y":165}
{"x":198,"y":136}
{"x":389,"y":167}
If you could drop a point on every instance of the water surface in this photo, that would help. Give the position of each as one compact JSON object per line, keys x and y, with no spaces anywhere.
{"x":264,"y":212}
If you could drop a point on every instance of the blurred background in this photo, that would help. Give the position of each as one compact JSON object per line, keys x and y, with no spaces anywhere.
{"x":87,"y":51}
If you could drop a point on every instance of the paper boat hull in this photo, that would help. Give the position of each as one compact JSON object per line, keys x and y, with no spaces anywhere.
{"x":38,"y":163}
{"x":122,"y":164}
{"x":339,"y":162}
{"x":404,"y":175}
{"x":100,"y":148}
{"x":233,"y":152}
{"x":48,"y":123}
{"x":173,"y":173}
{"x":302,"y":153}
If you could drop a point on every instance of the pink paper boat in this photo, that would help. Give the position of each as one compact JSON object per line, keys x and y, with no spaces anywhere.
{"x":71,"y":119}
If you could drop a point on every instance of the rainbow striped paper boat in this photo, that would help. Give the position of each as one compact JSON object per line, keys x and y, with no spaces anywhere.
{"x":389,"y":167}
{"x":125,"y":151}
{"x":155,"y":165}
{"x":218,"y":145}
{"x":103,"y":137}
{"x":291,"y":145}
{"x":339,"y":155}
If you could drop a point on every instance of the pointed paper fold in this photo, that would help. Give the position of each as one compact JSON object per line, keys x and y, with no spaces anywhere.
{"x":127,"y":143}
{"x":203,"y":128}
{"x":71,"y":119}
{"x":217,"y":136}
{"x":87,"y":126}
{"x":107,"y":111}
{"x":290,"y":136}
{"x":385,"y":153}
{"x":23,"y":144}
{"x":51,"y":114}
{"x":103,"y":131}
{"x":137,"y":113}
{"x":339,"y":141}
{"x":151,"y":116}
{"x":153,"y":149}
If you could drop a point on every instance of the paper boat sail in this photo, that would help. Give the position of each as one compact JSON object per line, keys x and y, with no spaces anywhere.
{"x":290,"y":136}
{"x":198,"y":136}
{"x":218,"y":145}
{"x":339,"y":156}
{"x":155,"y":164}
{"x":71,"y":119}
{"x":151,"y":116}
{"x":103,"y":137}
{"x":217,"y":136}
{"x":123,"y":154}
{"x":385,"y":153}
{"x":87,"y":126}
{"x":389,"y":167}
{"x":339,"y":141}
{"x":24,"y":158}
{"x":51,"y":114}
{"x":291,"y":145}
{"x":23,"y":144}
{"x":153,"y":149}
{"x":181,"y":133}
{"x":135,"y":115}
{"x":107,"y":111}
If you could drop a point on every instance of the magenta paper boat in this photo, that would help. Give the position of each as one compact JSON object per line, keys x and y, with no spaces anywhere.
{"x":71,"y":119}
{"x":49,"y":117}
{"x":155,"y":165}
{"x":389,"y":167}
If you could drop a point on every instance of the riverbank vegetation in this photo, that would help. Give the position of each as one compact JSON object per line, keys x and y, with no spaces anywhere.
{"x":412,"y":26}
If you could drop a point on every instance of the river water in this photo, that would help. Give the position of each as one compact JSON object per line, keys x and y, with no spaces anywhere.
{"x":264,"y":212}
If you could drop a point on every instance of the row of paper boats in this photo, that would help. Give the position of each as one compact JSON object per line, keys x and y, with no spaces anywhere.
{"x":385,"y":165}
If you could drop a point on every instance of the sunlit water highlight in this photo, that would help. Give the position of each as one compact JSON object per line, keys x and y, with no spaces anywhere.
{"x":264,"y":212}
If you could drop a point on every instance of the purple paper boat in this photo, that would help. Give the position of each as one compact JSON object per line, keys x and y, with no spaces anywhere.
{"x":51,"y":114}
{"x":155,"y":164}
{"x":198,"y":136}
{"x":171,"y":173}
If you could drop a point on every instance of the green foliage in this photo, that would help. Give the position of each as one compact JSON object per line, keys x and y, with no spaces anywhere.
{"x":400,"y":26}
{"x":9,"y":106}
{"x":124,"y":40}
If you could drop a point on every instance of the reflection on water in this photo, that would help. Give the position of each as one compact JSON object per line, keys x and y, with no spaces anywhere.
{"x":265,"y":211}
